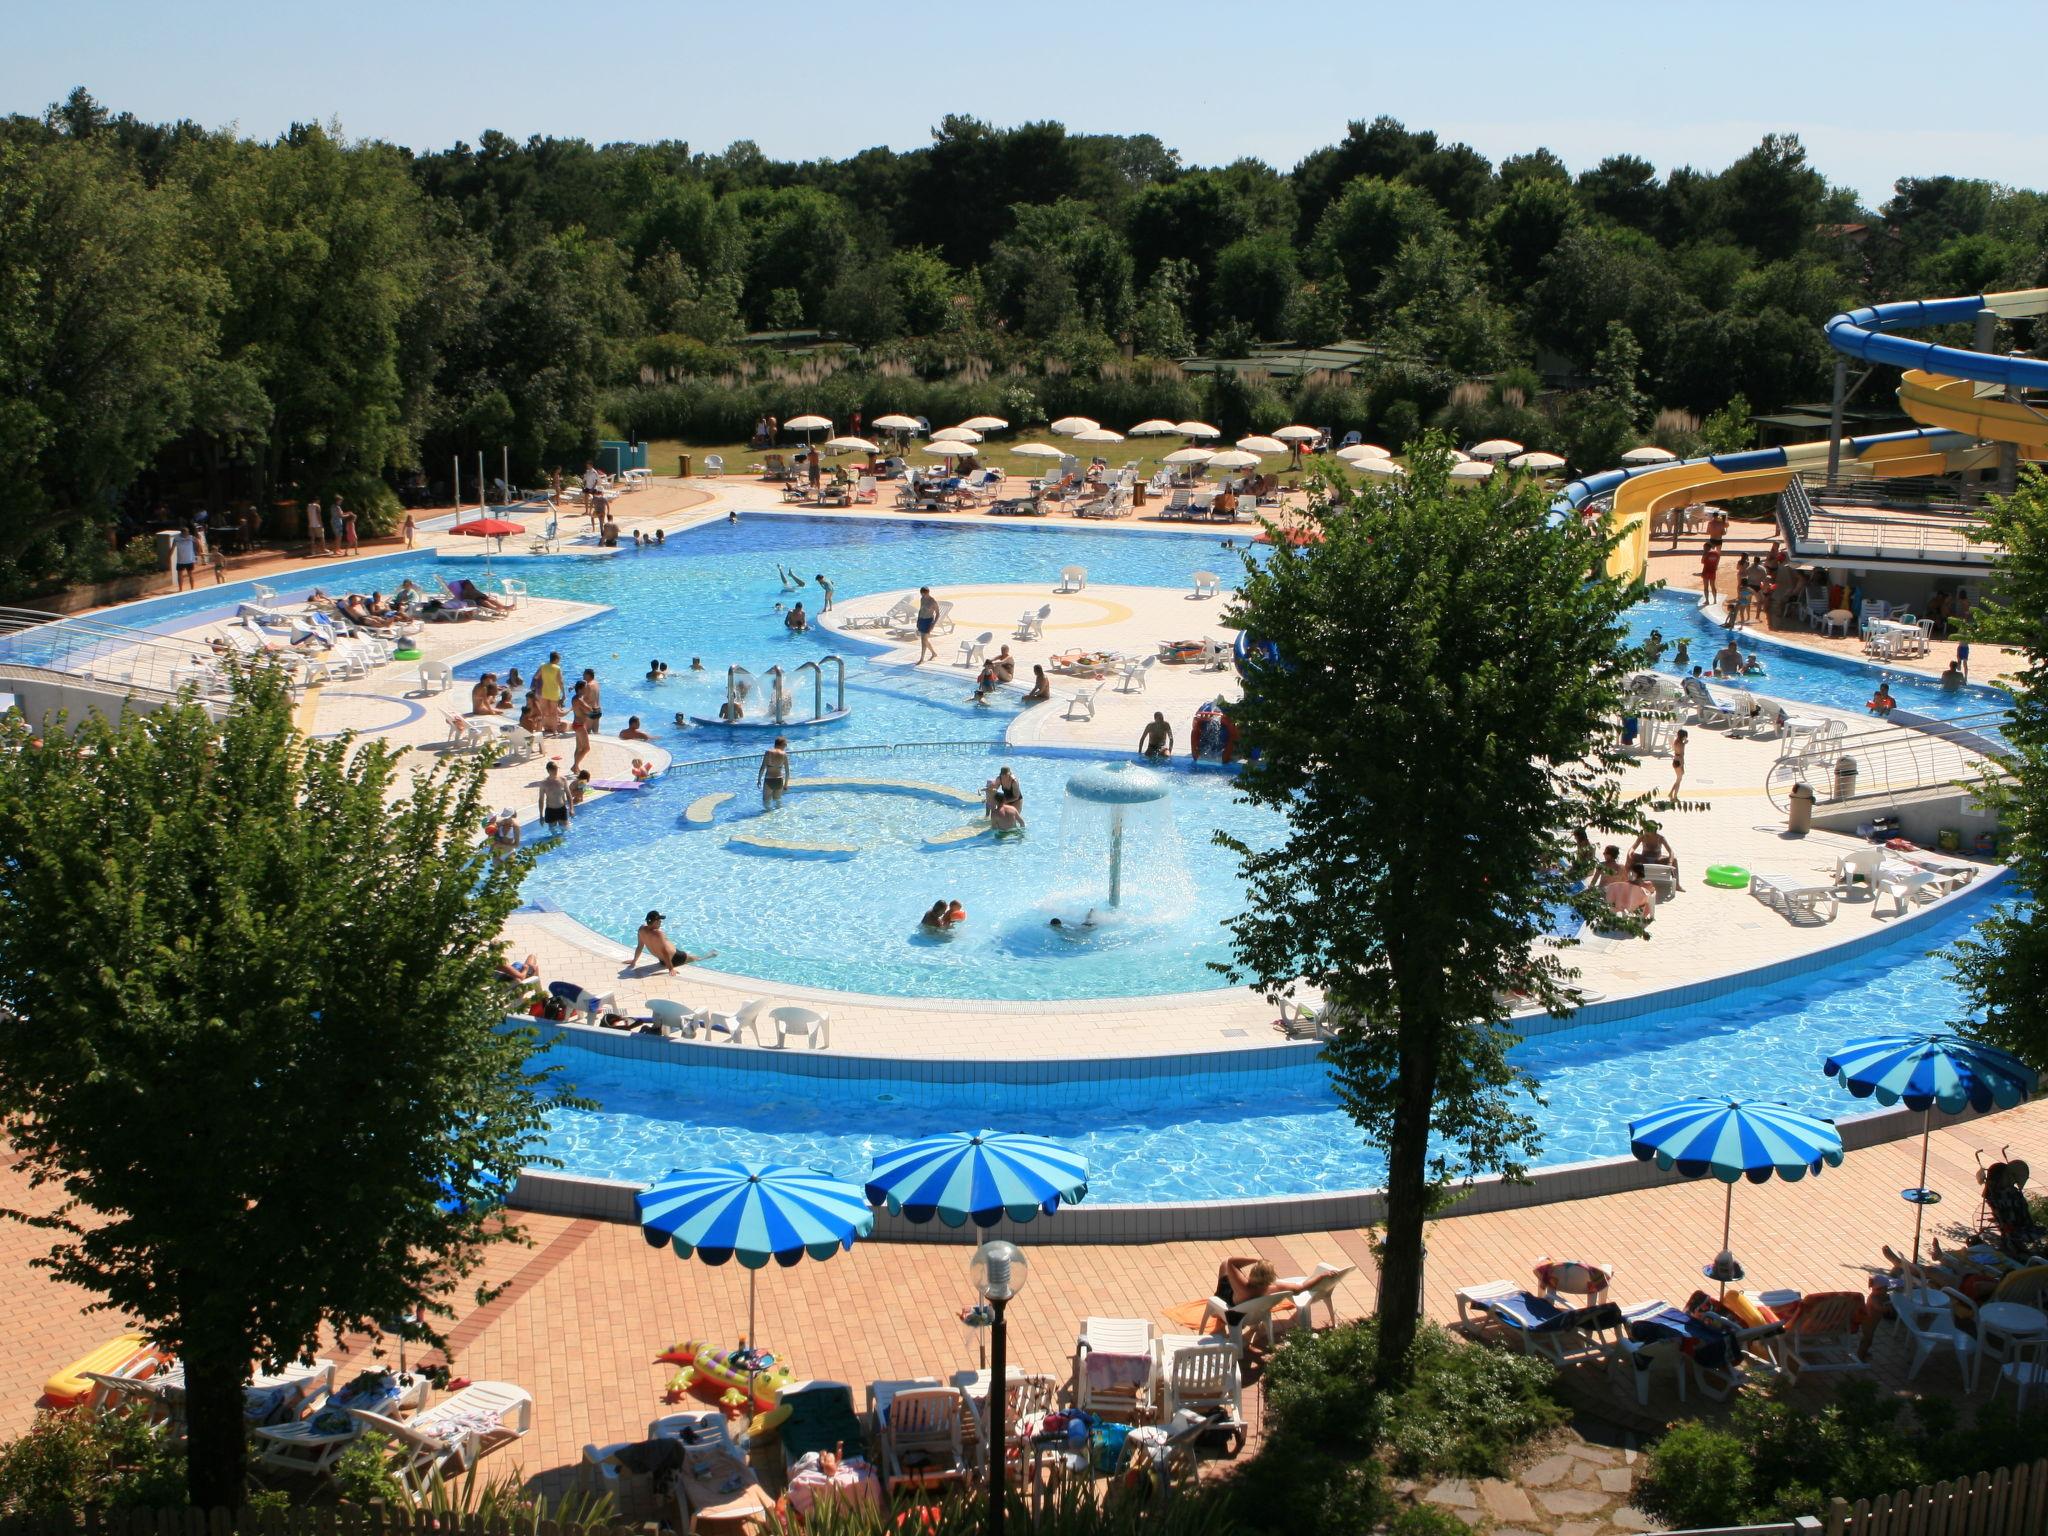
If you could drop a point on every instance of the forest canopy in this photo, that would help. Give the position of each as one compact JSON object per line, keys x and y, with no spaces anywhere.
{"x":191,"y":318}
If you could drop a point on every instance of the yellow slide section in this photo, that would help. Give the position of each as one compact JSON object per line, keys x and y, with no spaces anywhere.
{"x":1962,"y":405}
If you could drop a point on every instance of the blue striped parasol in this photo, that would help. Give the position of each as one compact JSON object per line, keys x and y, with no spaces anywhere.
{"x":979,"y":1178}
{"x":1730,"y":1140}
{"x":754,"y":1213}
{"x":1929,"y":1072}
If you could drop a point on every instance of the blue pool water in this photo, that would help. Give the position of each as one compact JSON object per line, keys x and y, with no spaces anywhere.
{"x":1242,"y":1133}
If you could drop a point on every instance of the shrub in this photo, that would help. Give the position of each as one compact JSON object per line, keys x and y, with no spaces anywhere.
{"x":68,"y":1463}
{"x":1465,"y":1412}
{"x":1698,"y":1476}
{"x":359,"y":1475}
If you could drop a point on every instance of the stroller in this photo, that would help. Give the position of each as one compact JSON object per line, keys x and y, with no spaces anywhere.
{"x":2003,"y":1216}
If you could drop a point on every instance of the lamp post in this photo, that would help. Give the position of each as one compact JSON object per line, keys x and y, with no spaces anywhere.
{"x":999,"y":1270}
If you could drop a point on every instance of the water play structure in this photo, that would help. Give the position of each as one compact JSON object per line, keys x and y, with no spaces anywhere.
{"x":748,"y":707}
{"x":1971,"y":403}
{"x":1117,"y":786}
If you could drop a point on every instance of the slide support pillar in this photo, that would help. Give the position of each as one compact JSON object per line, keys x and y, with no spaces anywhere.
{"x":1986,"y":340}
{"x":1841,"y":398}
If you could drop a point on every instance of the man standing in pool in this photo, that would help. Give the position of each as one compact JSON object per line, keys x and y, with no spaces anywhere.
{"x":927,"y":621}
{"x":773,"y":774}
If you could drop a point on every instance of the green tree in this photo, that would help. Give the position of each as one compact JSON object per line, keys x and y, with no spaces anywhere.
{"x":257,"y":1136}
{"x":1770,"y":199}
{"x":1728,"y":430}
{"x":1624,"y":188}
{"x":863,"y":306}
{"x":1364,"y":228}
{"x":1254,"y":283}
{"x":925,"y":288}
{"x":1525,"y":226}
{"x":2004,"y":967}
{"x":1456,"y":631}
{"x":109,"y":314}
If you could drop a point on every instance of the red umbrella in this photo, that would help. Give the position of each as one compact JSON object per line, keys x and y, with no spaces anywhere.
{"x":488,"y":528}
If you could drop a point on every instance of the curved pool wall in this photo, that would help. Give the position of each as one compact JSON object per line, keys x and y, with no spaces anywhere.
{"x":1622,"y":1039}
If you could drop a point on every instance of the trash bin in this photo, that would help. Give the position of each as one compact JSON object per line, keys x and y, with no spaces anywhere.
{"x":1845,"y":778}
{"x":1138,"y":494}
{"x":166,"y":548}
{"x":1799,"y":817}
{"x":683,"y":466}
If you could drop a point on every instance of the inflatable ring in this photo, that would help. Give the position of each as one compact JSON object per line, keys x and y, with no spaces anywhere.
{"x":1730,"y":876}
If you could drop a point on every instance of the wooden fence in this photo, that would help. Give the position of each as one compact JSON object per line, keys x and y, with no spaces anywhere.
{"x":2012,"y":1501}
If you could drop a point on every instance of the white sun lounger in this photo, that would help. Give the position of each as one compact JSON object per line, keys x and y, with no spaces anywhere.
{"x":1794,"y":895}
{"x":896,"y":618}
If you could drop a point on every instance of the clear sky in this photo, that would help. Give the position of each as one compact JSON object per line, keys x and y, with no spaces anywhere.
{"x":1868,"y":85}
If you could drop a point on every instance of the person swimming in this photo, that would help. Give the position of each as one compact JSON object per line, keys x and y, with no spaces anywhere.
{"x":657,"y":671}
{"x":935,"y":919}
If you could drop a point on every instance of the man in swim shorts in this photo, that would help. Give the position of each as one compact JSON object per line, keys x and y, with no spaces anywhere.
{"x":773,"y":774}
{"x":927,"y":621}
{"x":661,"y":947}
{"x":554,"y":800}
{"x":1157,"y":740}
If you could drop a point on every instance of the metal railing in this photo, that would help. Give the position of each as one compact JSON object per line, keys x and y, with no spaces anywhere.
{"x":1892,"y":761}
{"x":114,"y":655}
{"x":1828,"y":533}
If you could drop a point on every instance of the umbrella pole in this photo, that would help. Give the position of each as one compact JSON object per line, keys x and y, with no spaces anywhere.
{"x":1727,"y":1226}
{"x":1920,"y":1193}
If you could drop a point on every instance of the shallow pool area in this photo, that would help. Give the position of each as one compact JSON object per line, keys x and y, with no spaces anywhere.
{"x":1253,"y":1125}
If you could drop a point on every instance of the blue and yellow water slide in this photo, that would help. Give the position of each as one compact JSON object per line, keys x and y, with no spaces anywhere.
{"x":1959,"y":396}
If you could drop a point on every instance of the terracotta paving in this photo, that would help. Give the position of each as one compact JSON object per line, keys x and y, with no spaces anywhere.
{"x":587,"y":1307}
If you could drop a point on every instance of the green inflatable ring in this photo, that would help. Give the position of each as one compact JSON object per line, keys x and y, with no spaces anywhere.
{"x":1732,"y":876}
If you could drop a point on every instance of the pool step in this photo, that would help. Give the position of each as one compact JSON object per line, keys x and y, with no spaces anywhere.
{"x":790,"y":848}
{"x":703,"y":808}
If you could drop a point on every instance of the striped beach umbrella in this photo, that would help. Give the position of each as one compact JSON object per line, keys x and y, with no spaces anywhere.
{"x":1929,"y":1072}
{"x":753,"y":1212}
{"x":979,"y":1178}
{"x":1732,"y":1140}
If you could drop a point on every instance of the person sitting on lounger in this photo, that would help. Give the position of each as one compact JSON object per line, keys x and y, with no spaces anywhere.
{"x":660,"y":947}
{"x":521,"y":970}
{"x":1652,"y":847}
{"x":469,"y":591}
{"x":1239,"y":1280}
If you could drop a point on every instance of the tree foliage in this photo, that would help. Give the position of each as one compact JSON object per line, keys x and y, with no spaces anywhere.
{"x":1434,"y":728}
{"x":251,"y":1025}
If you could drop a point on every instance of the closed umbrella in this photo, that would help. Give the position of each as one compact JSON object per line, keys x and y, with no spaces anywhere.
{"x":1477,"y":469}
{"x":985,"y":424}
{"x":1256,"y":444}
{"x":961,"y":434}
{"x":895,"y":423}
{"x":1927,"y":1072}
{"x":1195,"y":429}
{"x":1496,"y":448}
{"x":1648,"y":454}
{"x":1536,"y":461}
{"x":1067,"y":426}
{"x":1154,"y":428}
{"x":753,"y":1212}
{"x":980,"y":1178}
{"x":1730,"y":1140}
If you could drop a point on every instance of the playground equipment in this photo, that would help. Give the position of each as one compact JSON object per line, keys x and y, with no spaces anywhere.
{"x":1967,"y":400}
{"x":747,"y":708}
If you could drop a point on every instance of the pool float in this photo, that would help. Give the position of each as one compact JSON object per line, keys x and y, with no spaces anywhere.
{"x":1729,"y":876}
{"x":130,"y":1355}
{"x":714,"y":1371}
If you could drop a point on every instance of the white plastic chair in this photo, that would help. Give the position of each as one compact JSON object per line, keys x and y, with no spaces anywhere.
{"x":1084,"y":702}
{"x":436,"y":677}
{"x":1321,"y":1286}
{"x":921,"y":1438}
{"x":1929,"y":1318}
{"x":1136,"y":674}
{"x":1857,"y":864}
{"x":1207,"y":584}
{"x":1203,"y":1377}
{"x":423,"y":1456}
{"x":1254,"y":1316}
{"x":714,"y":465}
{"x":515,"y":591}
{"x":1031,"y":626}
{"x":2026,"y":1370}
{"x":971,"y":651}
{"x":732,"y":1025}
{"x":1133,"y":1338}
{"x":668,"y":1015}
{"x":1072,"y":578}
{"x":805,"y":1023}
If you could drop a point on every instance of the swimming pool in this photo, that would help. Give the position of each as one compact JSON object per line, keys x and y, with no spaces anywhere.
{"x":1234,"y":1127}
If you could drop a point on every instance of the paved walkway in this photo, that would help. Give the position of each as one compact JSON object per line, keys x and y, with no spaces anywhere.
{"x":584,"y":1310}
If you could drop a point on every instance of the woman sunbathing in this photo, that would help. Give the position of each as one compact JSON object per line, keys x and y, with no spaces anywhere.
{"x":1238,"y":1281}
{"x":470,"y":592}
